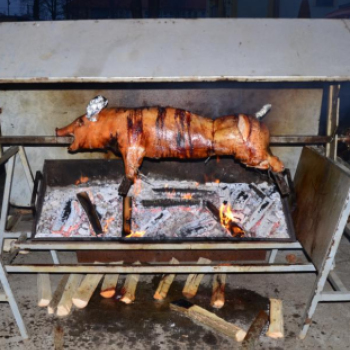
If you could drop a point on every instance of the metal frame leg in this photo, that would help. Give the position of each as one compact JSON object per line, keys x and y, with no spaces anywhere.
{"x":6,"y":199}
{"x":9,"y":296}
{"x":272,"y":256}
{"x":324,"y":274}
{"x":55,"y":257}
{"x":12,"y":301}
{"x":26,"y":167}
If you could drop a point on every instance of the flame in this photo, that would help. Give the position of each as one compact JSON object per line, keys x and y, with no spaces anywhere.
{"x":228,"y":218}
{"x":186,"y":196}
{"x":136,"y":234}
{"x":226,"y":215}
{"x":82,"y":180}
{"x":217,"y":181}
{"x":107,"y":223}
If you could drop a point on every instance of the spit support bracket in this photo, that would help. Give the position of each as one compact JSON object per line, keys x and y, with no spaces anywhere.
{"x":284,"y":183}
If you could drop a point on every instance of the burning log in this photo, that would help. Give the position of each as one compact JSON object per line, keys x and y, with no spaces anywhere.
{"x":57,"y":295}
{"x":90,"y":211}
{"x":193,"y":281}
{"x":218,"y":297}
{"x":276,"y":328}
{"x":125,"y":186}
{"x":228,"y":223}
{"x":87,"y":287}
{"x":255,"y":330}
{"x":208,"y":319}
{"x":44,"y":289}
{"x":127,"y":207}
{"x":128,"y":291}
{"x":65,"y":304}
{"x":165,"y":283}
{"x":109,"y":283}
{"x":169,"y":202}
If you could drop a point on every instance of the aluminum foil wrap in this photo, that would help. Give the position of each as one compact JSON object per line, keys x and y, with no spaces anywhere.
{"x":95,"y":106}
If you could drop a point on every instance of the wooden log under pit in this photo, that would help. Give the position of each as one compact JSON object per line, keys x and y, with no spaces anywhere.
{"x":129,"y":289}
{"x":109,"y":283}
{"x":57,"y":295}
{"x":193,"y":280}
{"x":276,"y":327}
{"x":218,"y":297}
{"x":165,"y":283}
{"x":208,"y":319}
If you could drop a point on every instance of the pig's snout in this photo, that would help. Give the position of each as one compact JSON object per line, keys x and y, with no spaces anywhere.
{"x":63,"y":132}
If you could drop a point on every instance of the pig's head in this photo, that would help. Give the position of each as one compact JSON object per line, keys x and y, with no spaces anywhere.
{"x":87,"y":134}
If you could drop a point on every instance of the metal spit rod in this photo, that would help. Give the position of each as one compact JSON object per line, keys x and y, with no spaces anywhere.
{"x":65,"y":141}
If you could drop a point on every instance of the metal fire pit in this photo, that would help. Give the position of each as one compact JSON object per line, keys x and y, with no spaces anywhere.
{"x":63,"y":173}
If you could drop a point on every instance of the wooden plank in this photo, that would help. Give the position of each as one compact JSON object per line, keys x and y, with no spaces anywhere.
{"x":208,"y":318}
{"x":128,"y":291}
{"x":65,"y":304}
{"x":193,"y":280}
{"x":109,"y":283}
{"x":276,"y":328}
{"x":249,"y":342}
{"x":58,"y":339}
{"x":86,"y":289}
{"x":165,"y":283}
{"x":218,"y":297}
{"x":57,"y":295}
{"x":44,"y":289}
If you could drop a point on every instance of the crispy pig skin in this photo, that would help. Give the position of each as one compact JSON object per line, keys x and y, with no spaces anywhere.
{"x":158,"y":132}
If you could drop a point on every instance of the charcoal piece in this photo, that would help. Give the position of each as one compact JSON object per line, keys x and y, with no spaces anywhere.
{"x":257,"y":190}
{"x":182,"y":190}
{"x":241,"y":200}
{"x":90,"y":211}
{"x":124,"y":187}
{"x":67,"y":210}
{"x":168,"y":202}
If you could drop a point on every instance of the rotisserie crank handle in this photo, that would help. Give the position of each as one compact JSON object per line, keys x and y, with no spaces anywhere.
{"x":90,"y":211}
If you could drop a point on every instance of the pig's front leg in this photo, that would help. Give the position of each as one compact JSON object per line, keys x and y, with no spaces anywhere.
{"x":133,"y":159}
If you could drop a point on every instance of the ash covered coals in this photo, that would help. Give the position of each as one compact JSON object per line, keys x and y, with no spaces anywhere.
{"x":167,"y":209}
{"x":174,"y":209}
{"x":63,"y":216}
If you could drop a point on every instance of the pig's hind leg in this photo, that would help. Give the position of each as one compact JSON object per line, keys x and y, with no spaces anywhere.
{"x":133,"y":159}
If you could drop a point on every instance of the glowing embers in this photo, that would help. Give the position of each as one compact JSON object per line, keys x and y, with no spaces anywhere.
{"x":63,"y":216}
{"x":184,"y":209}
{"x":231,"y":220}
{"x":137,"y":234}
{"x":162,"y":209}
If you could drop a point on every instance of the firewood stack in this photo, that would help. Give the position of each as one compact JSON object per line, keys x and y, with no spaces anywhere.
{"x":77,"y":290}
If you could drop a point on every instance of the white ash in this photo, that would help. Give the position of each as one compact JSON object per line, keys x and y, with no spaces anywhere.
{"x":260,"y":214}
{"x":105,"y":197}
{"x":62,"y":215}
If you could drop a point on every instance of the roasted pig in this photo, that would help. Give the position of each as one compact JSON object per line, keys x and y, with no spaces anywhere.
{"x":173,"y":133}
